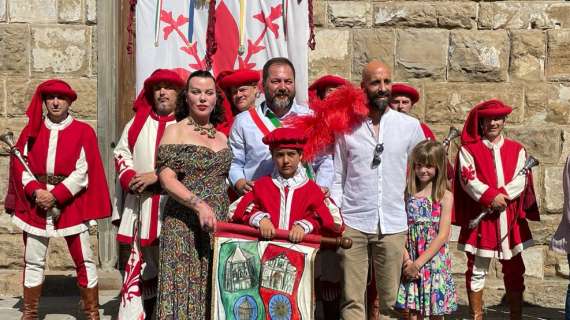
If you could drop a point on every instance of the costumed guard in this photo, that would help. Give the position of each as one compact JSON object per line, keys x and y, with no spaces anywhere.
{"x":241,"y":89}
{"x":403,"y":99}
{"x":324,"y":86}
{"x":65,"y":195}
{"x":138,"y":202}
{"x":487,"y":179}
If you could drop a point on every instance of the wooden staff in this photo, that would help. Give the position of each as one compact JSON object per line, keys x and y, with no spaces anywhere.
{"x":324,"y":242}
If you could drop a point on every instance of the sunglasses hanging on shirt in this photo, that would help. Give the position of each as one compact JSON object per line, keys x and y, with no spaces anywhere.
{"x":376,"y":157}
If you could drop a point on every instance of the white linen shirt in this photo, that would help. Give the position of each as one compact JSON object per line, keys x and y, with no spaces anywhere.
{"x":374,"y":198}
{"x":251,"y":157}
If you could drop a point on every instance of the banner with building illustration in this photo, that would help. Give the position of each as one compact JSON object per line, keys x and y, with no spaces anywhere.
{"x":261,"y":279}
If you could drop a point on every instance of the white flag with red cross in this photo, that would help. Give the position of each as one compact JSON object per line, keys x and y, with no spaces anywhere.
{"x":173,"y":34}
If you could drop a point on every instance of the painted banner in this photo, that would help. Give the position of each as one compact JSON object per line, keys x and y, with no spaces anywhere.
{"x":255,"y":280}
{"x":172,"y":34}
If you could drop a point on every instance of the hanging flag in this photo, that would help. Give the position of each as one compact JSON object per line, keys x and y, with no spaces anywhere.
{"x":131,"y":305}
{"x":174,"y":34}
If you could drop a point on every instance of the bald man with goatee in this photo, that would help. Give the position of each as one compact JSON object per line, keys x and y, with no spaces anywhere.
{"x":370,"y":165}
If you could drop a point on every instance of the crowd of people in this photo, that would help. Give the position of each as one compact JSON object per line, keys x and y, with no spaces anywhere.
{"x":352,"y":162}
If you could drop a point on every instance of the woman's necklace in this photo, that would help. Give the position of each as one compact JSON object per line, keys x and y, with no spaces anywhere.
{"x":207,"y":129}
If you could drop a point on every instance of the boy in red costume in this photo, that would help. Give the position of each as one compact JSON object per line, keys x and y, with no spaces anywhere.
{"x":288,"y":199}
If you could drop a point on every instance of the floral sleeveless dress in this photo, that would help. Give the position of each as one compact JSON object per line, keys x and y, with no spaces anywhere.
{"x":184,"y":290}
{"x":434,"y":292}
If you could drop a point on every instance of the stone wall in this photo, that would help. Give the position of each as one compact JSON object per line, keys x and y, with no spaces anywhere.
{"x":39,"y":40}
{"x":459,"y":53}
{"x":456,"y":52}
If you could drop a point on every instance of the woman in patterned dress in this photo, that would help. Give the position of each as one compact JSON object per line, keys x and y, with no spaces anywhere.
{"x":192,"y":162}
{"x":427,"y":290}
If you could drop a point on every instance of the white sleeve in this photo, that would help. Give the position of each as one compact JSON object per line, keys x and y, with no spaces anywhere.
{"x":78,"y":179}
{"x":122,"y":154}
{"x":468,"y":176}
{"x":26,"y":176}
{"x":417,"y":137}
{"x":339,"y":170}
{"x":324,"y":168}
{"x":516,"y":186}
{"x":237,"y":146}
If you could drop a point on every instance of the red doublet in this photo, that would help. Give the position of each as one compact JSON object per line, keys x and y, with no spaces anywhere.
{"x":479,"y":179}
{"x":286,"y":206}
{"x":67,"y":152}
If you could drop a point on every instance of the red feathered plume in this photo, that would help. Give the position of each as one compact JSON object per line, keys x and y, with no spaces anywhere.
{"x":337,"y":114}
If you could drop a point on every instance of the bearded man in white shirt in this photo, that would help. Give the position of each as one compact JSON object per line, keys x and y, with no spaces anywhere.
{"x":370,"y":164}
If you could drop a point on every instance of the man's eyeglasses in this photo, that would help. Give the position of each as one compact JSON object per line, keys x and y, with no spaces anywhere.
{"x":376,"y":157}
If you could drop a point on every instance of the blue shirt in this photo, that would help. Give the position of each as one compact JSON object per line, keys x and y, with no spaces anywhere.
{"x":251,"y":157}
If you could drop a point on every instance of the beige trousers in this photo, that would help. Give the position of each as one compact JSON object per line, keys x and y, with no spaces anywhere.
{"x":387,"y":254}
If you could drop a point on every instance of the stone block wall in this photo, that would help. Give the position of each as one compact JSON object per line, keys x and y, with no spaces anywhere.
{"x":459,"y":53}
{"x":456,"y":52}
{"x":39,"y":40}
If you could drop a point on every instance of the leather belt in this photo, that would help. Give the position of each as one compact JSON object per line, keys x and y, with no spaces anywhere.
{"x":50,"y":179}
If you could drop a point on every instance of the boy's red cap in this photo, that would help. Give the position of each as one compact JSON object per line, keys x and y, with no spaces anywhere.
{"x":289,"y":138}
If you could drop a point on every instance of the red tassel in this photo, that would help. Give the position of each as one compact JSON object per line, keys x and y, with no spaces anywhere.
{"x":211,"y":45}
{"x":131,"y":32}
{"x":312,"y":43}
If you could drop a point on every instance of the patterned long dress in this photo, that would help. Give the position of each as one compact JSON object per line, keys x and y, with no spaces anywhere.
{"x":186,"y":250}
{"x":434,"y":292}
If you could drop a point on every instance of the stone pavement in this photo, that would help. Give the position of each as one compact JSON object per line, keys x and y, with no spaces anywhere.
{"x":67,"y":307}
{"x":544,"y":298}
{"x":60,"y":307}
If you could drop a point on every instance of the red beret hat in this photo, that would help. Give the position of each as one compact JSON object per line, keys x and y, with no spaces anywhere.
{"x":491,"y":108}
{"x":163,"y":75}
{"x":220,"y":77}
{"x":326,"y":82}
{"x":239,"y":78}
{"x":402,"y":89}
{"x":289,"y":138}
{"x":34,"y":111}
{"x":57,"y":87}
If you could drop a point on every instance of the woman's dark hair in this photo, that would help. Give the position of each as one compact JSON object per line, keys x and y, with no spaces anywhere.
{"x":183,"y":109}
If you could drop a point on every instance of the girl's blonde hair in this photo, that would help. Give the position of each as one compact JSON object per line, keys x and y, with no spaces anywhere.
{"x":430,"y":153}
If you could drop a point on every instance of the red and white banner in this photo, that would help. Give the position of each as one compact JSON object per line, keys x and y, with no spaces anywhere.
{"x":131,"y":305}
{"x":172,"y":34}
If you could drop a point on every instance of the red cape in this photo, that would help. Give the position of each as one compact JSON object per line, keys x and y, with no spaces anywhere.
{"x":465,"y":208}
{"x":96,"y":193}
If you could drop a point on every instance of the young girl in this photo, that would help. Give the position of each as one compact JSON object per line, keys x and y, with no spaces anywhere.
{"x":427,"y":289}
